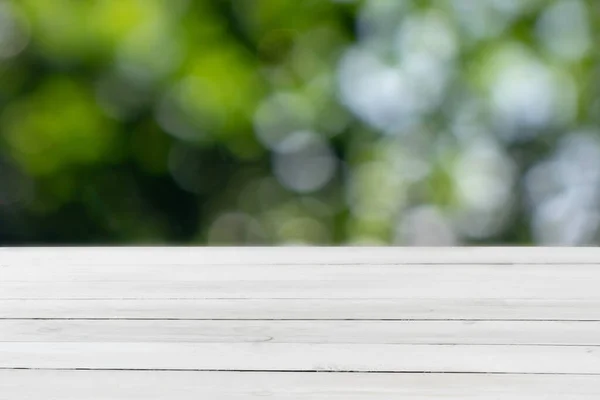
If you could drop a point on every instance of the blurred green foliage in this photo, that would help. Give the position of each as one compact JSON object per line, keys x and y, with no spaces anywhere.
{"x":407,"y":122}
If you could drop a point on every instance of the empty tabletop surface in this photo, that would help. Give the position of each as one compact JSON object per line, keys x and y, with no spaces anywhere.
{"x":299,"y":323}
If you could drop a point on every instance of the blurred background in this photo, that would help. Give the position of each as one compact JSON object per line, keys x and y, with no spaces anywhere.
{"x":259,"y":122}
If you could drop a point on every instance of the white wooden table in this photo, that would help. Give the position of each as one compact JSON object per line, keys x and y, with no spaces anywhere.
{"x":299,"y":323}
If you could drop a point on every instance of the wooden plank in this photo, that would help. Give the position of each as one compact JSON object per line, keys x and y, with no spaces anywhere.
{"x":302,"y":357}
{"x":502,"y":275}
{"x":313,"y":309}
{"x":59,"y":281}
{"x":297,"y":255}
{"x":341,"y":332}
{"x":511,"y":287}
{"x":152,"y":385}
{"x":183,"y":312}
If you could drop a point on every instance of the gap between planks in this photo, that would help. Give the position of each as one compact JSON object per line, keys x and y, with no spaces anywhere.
{"x":301,"y":357}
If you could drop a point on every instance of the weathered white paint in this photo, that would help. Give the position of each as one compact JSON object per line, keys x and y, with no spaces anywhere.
{"x":156,"y":323}
{"x":266,"y":356}
{"x":323,"y":282}
{"x":297,"y":255}
{"x":411,"y":273}
{"x":321,"y":309}
{"x":181,"y":385}
{"x":565,"y":333}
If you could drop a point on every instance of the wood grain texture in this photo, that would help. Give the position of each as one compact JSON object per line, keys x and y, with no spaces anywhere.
{"x":297,"y":255}
{"x":285,"y":272}
{"x":320,"y":309}
{"x":302,"y":357}
{"x":152,"y":385}
{"x":315,"y":282}
{"x":229,"y":323}
{"x":542,"y":333}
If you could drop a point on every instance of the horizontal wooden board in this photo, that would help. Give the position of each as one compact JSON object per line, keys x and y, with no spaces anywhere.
{"x":413,"y":274}
{"x":302,"y":357}
{"x":61,"y":281}
{"x":295,"y":255}
{"x":312,"y":309}
{"x":177,"y":313}
{"x":514,"y":287}
{"x":152,"y":385}
{"x":362,"y":332}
